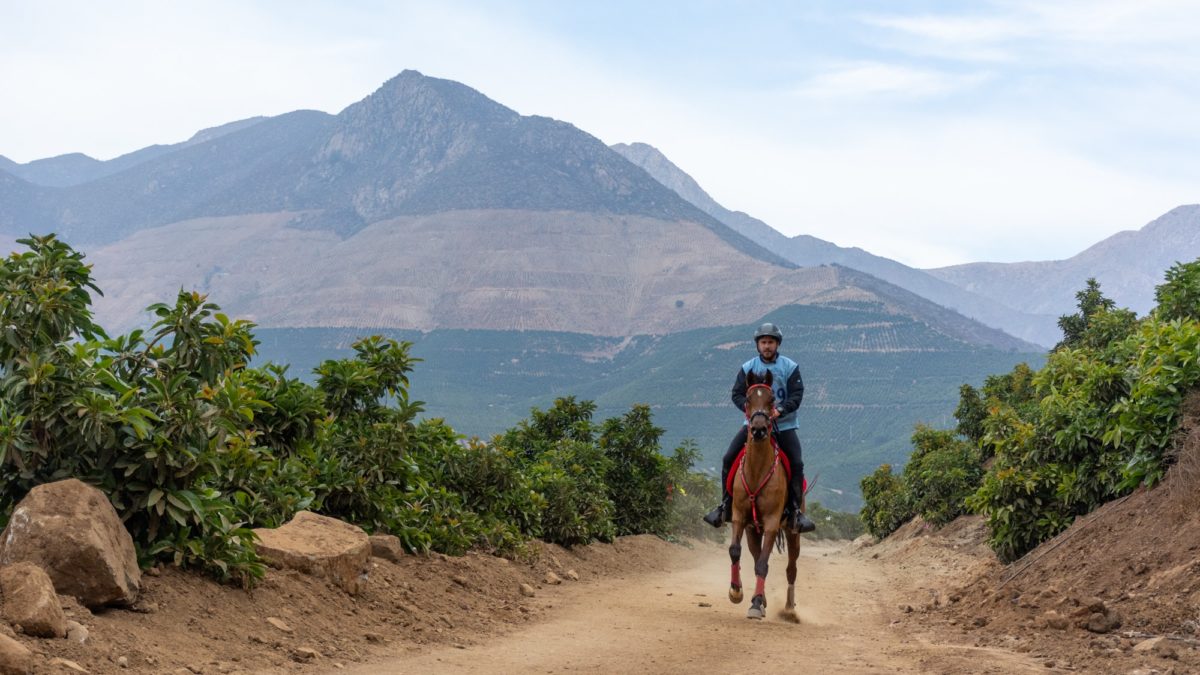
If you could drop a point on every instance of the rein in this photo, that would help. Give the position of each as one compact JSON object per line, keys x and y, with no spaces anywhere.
{"x":753,"y":494}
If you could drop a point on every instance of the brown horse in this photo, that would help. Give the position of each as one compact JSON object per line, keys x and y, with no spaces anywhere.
{"x":760,"y":489}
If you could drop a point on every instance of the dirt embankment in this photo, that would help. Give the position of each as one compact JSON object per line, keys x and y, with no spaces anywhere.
{"x":1118,"y":592}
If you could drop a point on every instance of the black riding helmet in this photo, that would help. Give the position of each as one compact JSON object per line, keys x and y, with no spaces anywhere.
{"x":768,"y":330}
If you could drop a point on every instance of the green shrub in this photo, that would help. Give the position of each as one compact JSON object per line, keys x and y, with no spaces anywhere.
{"x":1107,"y":408}
{"x":570,"y":477}
{"x":886,"y":504}
{"x":638,"y":476}
{"x":941,"y":473}
{"x":1178,"y":297}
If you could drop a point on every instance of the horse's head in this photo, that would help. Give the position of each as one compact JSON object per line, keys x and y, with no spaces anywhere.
{"x":760,"y":401}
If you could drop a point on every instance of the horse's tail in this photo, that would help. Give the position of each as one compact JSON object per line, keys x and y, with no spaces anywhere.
{"x":780,"y":539}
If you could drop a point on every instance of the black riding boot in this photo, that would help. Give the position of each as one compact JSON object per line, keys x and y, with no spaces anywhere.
{"x":799,"y":522}
{"x":724,"y":511}
{"x":720,"y":515}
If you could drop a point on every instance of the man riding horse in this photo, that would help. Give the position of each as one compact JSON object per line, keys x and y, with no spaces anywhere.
{"x":789,"y":391}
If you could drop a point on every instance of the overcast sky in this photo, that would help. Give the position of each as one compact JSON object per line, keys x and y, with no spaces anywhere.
{"x":929,"y":132}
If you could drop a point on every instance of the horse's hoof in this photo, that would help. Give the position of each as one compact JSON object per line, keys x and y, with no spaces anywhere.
{"x":735,"y":595}
{"x":758,"y":607}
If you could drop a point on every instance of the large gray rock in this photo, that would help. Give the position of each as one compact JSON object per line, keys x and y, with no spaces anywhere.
{"x":30,"y":601}
{"x":71,"y":531}
{"x":320,"y":546}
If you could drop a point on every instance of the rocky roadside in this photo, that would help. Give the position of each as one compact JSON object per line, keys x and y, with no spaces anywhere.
{"x":75,"y":601}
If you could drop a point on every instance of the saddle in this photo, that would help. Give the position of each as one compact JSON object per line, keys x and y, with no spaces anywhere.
{"x":737,"y":462}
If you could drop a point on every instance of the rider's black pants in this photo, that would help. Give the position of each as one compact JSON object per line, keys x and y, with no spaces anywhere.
{"x":789,"y":443}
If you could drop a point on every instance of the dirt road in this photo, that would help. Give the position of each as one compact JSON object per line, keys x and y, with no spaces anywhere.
{"x":680,"y":621}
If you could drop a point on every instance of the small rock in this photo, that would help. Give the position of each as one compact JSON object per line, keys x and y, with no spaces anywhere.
{"x":69,"y":665}
{"x":553,"y":579}
{"x":907,"y":609}
{"x":572,"y":575}
{"x":123,"y":662}
{"x":1090,"y":606}
{"x":14,"y":656}
{"x":980,"y":621}
{"x":1055,"y":620}
{"x":526,"y":590}
{"x":1147,"y":644}
{"x":1165,"y":650}
{"x":386,"y":546}
{"x":706,"y":604}
{"x":153,"y":571}
{"x":77,"y":632}
{"x":304,"y":654}
{"x":30,"y":601}
{"x":278,"y":623}
{"x":374,"y":638}
{"x":461,"y":581}
{"x":1102,"y":623}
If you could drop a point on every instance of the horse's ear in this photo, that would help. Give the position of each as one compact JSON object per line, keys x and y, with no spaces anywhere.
{"x":752,"y":378}
{"x":767,"y":378}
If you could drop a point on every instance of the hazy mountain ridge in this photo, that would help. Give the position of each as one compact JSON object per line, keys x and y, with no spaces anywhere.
{"x":1128,"y":266}
{"x":417,"y":145}
{"x":808,"y":250}
{"x":77,"y":168}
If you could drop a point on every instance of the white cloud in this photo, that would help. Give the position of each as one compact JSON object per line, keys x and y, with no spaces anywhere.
{"x":868,"y":78}
{"x":1088,"y":33}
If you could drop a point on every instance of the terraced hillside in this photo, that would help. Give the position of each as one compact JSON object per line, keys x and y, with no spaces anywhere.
{"x":869,"y":377}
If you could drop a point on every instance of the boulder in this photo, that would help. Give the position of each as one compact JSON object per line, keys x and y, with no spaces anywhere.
{"x":386,"y":546}
{"x":15,"y":658}
{"x":320,"y":546}
{"x":30,"y":601}
{"x":71,"y":531}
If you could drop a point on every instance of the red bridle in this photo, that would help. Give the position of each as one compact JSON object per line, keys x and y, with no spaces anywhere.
{"x":753,"y":494}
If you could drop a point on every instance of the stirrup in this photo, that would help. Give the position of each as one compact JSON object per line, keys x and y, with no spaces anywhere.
{"x":802,"y":524}
{"x":716,"y":517}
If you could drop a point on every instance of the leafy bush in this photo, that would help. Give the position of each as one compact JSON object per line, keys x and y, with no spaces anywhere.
{"x":1179,"y":295}
{"x":886,"y":504}
{"x":638,"y":476}
{"x":570,"y":477}
{"x":1107,"y":408}
{"x":941,"y":473}
{"x":690,"y":495}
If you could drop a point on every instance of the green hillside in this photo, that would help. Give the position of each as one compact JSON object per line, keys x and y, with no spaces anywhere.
{"x":869,"y":377}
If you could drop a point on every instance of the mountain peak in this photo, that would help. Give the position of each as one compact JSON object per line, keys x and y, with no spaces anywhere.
{"x":413,"y":95}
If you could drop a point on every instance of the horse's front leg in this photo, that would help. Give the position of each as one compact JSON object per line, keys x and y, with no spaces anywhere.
{"x":735,"y":560}
{"x":758,"y":603}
